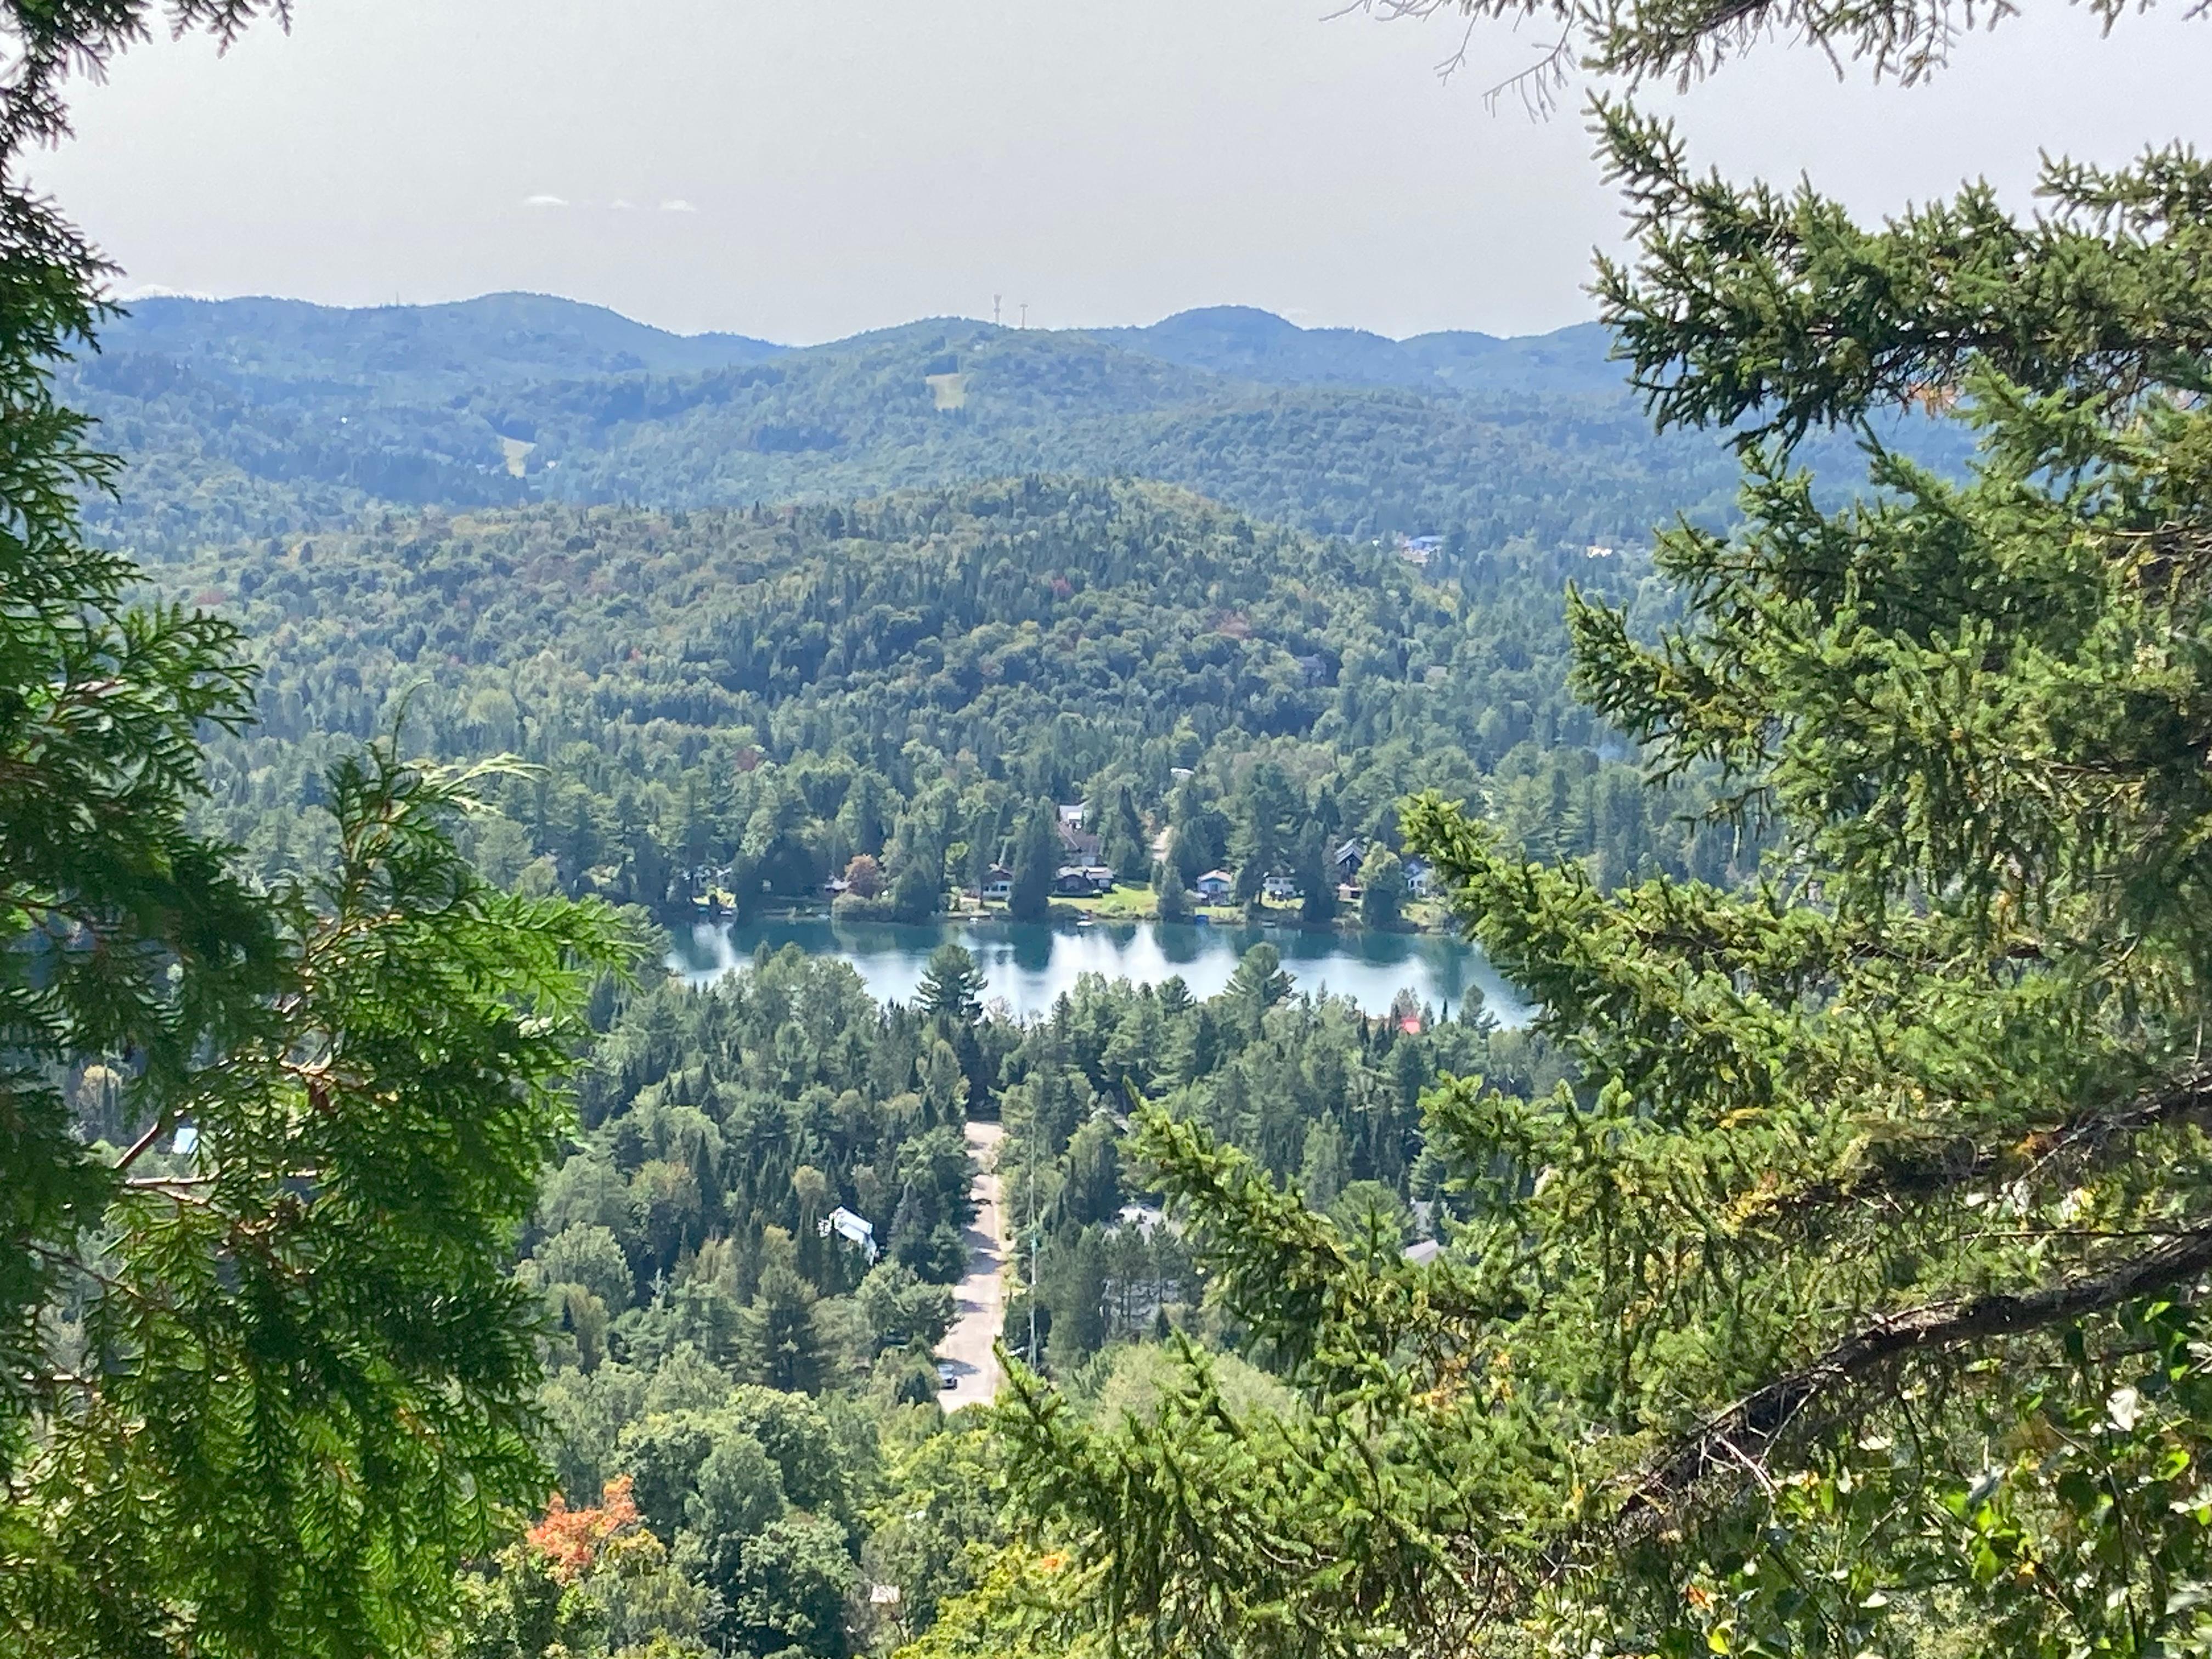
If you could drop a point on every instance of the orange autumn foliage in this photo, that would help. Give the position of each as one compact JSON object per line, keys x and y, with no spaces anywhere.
{"x":570,"y":1539}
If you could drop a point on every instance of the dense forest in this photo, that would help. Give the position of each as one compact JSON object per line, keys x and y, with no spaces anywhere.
{"x":396,"y":1260}
{"x":741,"y":1407}
{"x":257,"y":417}
{"x":748,"y":702}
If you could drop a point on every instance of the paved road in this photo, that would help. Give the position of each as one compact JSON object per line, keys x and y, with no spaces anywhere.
{"x":967,"y":1346}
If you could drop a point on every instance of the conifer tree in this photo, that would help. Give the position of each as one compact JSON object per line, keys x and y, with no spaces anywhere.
{"x":1853,"y":1299}
{"x":264,"y":1377}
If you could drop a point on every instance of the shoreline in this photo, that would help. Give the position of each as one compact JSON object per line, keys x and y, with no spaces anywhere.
{"x":1432,"y":918}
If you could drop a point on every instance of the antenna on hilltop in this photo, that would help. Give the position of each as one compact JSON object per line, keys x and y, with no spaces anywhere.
{"x":1025,"y":316}
{"x":995,"y":298}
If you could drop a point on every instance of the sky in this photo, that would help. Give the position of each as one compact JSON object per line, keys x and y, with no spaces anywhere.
{"x":801,"y":172}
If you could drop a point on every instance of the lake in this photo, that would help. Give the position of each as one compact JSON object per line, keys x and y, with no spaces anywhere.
{"x":1030,"y":964}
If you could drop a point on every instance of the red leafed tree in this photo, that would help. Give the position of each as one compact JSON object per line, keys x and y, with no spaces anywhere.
{"x":570,"y":1539}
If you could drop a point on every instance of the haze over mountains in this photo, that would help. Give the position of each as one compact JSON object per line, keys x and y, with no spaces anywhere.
{"x":252,"y":417}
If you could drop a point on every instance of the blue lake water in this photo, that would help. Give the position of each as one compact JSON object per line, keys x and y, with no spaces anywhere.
{"x":1030,"y":964}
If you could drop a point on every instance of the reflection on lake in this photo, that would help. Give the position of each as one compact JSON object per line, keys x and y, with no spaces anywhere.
{"x":1030,"y":964}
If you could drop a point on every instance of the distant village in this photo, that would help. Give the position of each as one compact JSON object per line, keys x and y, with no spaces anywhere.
{"x":1081,"y":876}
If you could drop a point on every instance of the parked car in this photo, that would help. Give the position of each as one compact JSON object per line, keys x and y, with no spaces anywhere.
{"x":947,"y":1376}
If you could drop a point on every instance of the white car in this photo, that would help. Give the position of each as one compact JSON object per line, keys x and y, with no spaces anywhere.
{"x":948,"y":1375}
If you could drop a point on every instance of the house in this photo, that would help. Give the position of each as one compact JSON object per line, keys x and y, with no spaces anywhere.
{"x":1083,"y":880}
{"x":1281,"y":888}
{"x":835,"y":888}
{"x":1080,"y":844}
{"x":997,"y":884}
{"x":1347,"y":859}
{"x":1420,"y":875}
{"x":853,"y":1228}
{"x":1215,"y":885}
{"x":1419,"y":550}
{"x":1423,"y":1251}
{"x":1314,"y":668}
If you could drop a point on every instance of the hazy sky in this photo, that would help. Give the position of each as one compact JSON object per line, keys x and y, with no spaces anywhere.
{"x":801,"y":171}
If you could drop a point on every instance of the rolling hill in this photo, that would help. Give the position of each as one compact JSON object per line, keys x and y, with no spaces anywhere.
{"x":257,"y":417}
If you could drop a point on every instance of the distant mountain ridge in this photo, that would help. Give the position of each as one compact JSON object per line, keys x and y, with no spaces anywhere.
{"x":496,"y":338}
{"x":516,"y":337}
{"x":261,"y":418}
{"x":1259,"y":345}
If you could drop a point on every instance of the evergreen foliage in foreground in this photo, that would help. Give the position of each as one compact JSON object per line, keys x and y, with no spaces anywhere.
{"x":1855,"y":1301}
{"x":265,"y":1378}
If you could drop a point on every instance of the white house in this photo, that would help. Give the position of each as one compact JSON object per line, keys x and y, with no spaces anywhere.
{"x":1419,"y":874}
{"x":1281,"y":888}
{"x":999,"y":884}
{"x":853,"y":1228}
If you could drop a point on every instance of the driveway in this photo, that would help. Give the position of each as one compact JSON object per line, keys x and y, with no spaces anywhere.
{"x":982,"y":1297}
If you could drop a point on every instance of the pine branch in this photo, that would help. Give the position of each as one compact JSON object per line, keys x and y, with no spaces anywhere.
{"x":1740,"y":1435}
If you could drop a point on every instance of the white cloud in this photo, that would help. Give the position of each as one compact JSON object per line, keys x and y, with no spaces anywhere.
{"x":678,"y":205}
{"x":620,"y":206}
{"x":543,"y":202}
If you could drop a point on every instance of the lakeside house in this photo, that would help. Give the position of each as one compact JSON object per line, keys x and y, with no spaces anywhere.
{"x":1281,"y":888}
{"x":1080,"y":844}
{"x":998,"y":884}
{"x":1215,"y":885}
{"x":1420,"y":875}
{"x":1347,"y":859}
{"x":1083,"y":880}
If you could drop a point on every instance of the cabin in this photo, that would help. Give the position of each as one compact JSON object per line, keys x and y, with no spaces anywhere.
{"x":1081,"y":845}
{"x":1420,"y":875}
{"x":998,"y":884}
{"x":1083,"y":880}
{"x":1347,"y":859}
{"x":853,"y":1228}
{"x":1215,"y":885}
{"x":1281,"y":888}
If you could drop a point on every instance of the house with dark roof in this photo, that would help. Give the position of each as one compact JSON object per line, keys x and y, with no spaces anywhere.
{"x":1347,"y":859}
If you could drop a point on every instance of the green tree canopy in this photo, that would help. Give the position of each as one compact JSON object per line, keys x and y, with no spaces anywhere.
{"x":1853,"y":1299}
{"x":952,"y":986}
{"x":1037,"y":861}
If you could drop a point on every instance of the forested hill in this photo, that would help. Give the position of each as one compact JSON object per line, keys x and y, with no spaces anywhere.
{"x":255,"y":418}
{"x":774,"y":692}
{"x":1259,"y":345}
